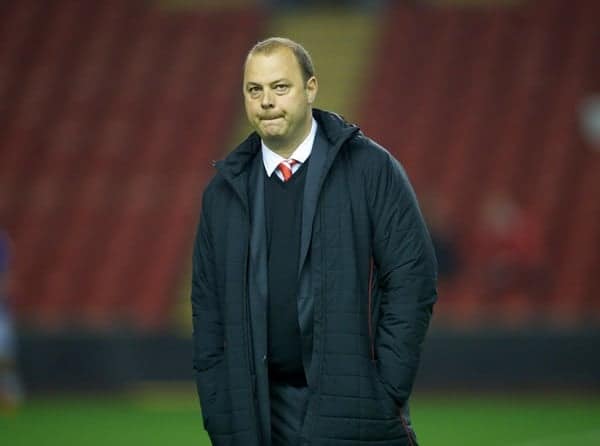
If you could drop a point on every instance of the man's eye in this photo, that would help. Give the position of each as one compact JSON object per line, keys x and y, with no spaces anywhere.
{"x":253,"y":90}
{"x":281,"y":87}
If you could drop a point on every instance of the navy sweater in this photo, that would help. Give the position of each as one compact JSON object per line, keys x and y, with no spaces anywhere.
{"x":283,"y":212}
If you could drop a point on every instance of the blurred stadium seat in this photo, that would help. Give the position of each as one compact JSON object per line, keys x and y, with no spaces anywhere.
{"x":112,"y":112}
{"x":475,"y":100}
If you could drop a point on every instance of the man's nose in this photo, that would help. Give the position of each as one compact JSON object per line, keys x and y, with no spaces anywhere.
{"x":267,"y":100}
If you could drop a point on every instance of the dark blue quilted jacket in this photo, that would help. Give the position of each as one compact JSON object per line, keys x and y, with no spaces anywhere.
{"x":367,"y":288}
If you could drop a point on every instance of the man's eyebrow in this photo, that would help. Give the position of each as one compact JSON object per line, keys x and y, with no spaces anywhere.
{"x":283,"y":79}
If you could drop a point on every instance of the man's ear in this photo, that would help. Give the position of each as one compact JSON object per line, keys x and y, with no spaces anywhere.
{"x":312,"y":86}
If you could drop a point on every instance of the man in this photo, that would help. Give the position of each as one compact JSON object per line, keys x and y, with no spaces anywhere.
{"x":11,"y":394}
{"x":313,"y":275}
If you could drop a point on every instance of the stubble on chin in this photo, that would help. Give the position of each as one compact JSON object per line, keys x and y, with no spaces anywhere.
{"x":274,"y":128}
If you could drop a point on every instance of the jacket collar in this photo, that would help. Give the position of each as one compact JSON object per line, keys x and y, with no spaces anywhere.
{"x":335,"y":128}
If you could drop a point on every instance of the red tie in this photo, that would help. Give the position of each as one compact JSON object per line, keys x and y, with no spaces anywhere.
{"x":285,"y":167}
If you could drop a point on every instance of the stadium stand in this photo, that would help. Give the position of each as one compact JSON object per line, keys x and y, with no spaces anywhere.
{"x":110,"y":119}
{"x":112,"y":112}
{"x":476,"y":100}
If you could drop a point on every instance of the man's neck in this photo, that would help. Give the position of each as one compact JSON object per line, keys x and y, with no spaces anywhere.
{"x":286,"y":148}
{"x":285,"y":151}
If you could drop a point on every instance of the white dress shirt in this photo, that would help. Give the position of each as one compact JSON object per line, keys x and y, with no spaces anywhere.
{"x":271,"y":159}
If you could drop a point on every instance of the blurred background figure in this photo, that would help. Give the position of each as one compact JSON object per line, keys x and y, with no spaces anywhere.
{"x":589,"y":117}
{"x":509,"y":258}
{"x":11,"y":394}
{"x":446,"y":241}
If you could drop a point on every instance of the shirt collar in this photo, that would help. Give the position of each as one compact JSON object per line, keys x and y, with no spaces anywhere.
{"x":271,"y":159}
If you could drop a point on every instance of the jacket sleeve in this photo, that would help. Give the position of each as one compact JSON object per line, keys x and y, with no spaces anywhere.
{"x":406,"y":272}
{"x":208,"y":334}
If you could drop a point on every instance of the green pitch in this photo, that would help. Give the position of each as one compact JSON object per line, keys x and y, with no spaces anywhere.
{"x":153,"y":418}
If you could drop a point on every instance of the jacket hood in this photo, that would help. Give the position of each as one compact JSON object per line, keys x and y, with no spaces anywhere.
{"x":336,"y":129}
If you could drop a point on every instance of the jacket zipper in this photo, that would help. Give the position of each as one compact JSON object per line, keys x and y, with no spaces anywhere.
{"x":249,"y":351}
{"x":248,"y":331}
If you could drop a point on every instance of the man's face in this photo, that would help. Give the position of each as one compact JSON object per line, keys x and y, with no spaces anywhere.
{"x":278,"y":101}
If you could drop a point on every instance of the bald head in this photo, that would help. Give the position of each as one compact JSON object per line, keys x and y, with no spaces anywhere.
{"x":272,"y":44}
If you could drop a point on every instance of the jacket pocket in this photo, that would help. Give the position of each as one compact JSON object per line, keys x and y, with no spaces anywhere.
{"x":208,"y":383}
